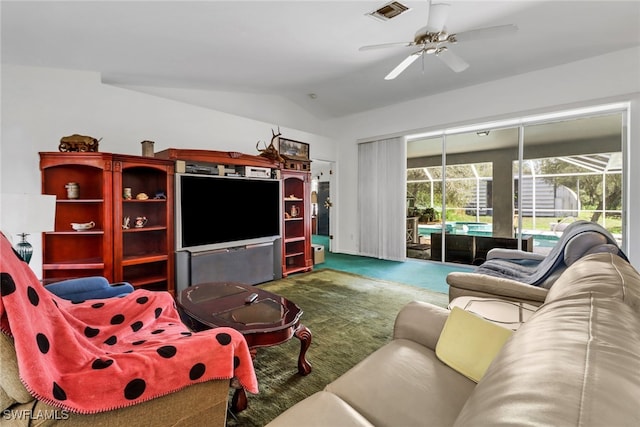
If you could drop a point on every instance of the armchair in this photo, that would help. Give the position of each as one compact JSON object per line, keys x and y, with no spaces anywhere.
{"x":109,"y":362}
{"x":526,"y":277}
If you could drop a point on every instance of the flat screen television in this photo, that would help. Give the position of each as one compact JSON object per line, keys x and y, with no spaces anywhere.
{"x":215,"y":212}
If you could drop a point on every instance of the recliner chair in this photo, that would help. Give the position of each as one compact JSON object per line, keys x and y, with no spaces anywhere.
{"x":526,"y":277}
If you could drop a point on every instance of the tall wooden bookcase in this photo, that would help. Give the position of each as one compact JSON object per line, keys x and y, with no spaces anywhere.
{"x":296,"y":227}
{"x":68,"y":253}
{"x":142,"y":256}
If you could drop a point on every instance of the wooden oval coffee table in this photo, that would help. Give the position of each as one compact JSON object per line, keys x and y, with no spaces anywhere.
{"x":266,"y":321}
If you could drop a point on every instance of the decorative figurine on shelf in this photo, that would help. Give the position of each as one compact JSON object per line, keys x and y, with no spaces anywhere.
{"x":126,"y":193}
{"x":160,"y":195}
{"x":147,"y":148}
{"x":73,"y":190}
{"x":141,"y":221}
{"x":80,"y":143}
{"x":142,"y":196}
{"x":271,"y":152}
{"x":126,"y":223}
{"x":83,"y":226}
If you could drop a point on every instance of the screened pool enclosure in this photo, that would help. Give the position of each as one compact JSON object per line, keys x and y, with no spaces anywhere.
{"x":519,"y":185}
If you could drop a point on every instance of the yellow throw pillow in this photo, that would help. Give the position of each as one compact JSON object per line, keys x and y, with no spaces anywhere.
{"x":469,"y":343}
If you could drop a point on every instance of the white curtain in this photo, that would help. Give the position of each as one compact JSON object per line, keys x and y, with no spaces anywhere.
{"x":382,"y":171}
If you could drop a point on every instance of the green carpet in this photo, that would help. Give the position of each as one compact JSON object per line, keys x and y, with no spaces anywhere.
{"x":350,"y":316}
{"x":424,"y":274}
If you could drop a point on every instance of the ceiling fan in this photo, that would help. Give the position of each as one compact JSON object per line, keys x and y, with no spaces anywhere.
{"x":433,"y":39}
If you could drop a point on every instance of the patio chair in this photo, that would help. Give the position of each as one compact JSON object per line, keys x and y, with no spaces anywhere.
{"x":525,"y":276}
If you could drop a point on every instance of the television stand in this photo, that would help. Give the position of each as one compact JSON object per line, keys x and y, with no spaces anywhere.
{"x":247,"y":264}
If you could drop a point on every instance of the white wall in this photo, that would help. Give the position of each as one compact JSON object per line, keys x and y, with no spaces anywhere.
{"x":40,"y":105}
{"x":614,"y":76}
{"x":273,"y":108}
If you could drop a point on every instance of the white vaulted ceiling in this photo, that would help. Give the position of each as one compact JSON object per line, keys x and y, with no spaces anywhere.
{"x":290,"y":49}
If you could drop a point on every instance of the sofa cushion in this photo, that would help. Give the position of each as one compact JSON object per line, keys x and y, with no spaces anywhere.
{"x":10,"y":378}
{"x":321,"y":409}
{"x":502,"y":312}
{"x":5,"y":400}
{"x":575,"y":362}
{"x":469,"y":343}
{"x":601,"y":273}
{"x":403,"y":384}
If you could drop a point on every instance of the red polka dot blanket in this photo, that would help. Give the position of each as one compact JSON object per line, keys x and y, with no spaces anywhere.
{"x":100,"y":355}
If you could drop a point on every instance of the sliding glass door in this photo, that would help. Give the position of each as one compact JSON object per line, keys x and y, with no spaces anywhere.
{"x":577,"y":174}
{"x":514,"y":186}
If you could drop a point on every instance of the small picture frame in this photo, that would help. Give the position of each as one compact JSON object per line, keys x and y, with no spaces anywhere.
{"x":293,"y":149}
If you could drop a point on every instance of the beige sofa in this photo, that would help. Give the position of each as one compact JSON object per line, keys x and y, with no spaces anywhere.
{"x":576,"y":361}
{"x":203,"y":404}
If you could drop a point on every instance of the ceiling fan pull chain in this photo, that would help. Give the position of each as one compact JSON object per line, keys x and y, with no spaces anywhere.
{"x":422,"y":61}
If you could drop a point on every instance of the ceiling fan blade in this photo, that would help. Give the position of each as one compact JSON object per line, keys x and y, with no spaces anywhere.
{"x":452,"y":60}
{"x":383,"y":45}
{"x":438,"y":14}
{"x":402,"y":66}
{"x":485,"y":33}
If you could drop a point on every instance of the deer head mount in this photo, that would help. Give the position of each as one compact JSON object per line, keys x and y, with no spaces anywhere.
{"x":271,"y":152}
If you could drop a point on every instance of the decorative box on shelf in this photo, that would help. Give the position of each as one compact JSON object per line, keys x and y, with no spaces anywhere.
{"x":296,"y":163}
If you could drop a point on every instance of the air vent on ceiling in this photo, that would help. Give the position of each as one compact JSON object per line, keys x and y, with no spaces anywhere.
{"x":388,"y":11}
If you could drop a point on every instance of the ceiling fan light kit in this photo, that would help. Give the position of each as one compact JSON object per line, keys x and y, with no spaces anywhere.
{"x":433,"y":40}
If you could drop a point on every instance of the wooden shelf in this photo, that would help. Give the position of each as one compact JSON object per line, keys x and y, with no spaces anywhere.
{"x":144,"y":256}
{"x":294,"y":254}
{"x":93,"y":231}
{"x":146,"y":280}
{"x":296,"y":239}
{"x":67,"y":252}
{"x":110,"y":249}
{"x":74,"y":265}
{"x":218,"y":157}
{"x":145,"y":229}
{"x":292,"y":270}
{"x":72,"y":201}
{"x":143,"y":259}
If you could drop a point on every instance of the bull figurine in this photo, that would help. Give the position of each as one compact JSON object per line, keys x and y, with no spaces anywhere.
{"x":80,"y":143}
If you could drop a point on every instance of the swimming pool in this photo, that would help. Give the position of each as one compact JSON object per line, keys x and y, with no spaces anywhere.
{"x":541,"y":239}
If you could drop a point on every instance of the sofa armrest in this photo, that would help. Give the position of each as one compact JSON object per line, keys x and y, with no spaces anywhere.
{"x":482,"y":285}
{"x":420,"y":322}
{"x":501,"y":253}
